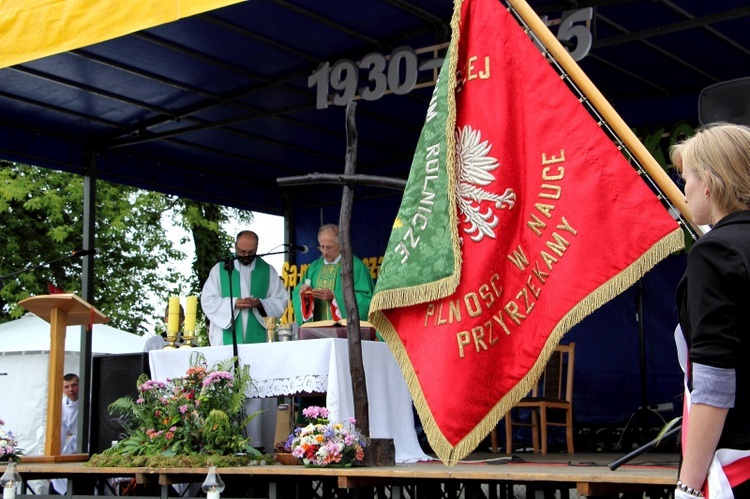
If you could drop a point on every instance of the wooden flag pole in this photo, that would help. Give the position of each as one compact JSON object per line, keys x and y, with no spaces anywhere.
{"x":604,"y":108}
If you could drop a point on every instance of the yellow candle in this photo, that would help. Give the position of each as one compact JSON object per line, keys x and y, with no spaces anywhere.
{"x":173,"y":323}
{"x":191,"y":308}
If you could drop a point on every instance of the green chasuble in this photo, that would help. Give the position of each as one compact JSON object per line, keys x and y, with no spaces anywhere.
{"x":329,"y":276}
{"x":254,"y":332}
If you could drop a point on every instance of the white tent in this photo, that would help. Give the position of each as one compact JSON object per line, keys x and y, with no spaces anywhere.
{"x":24,"y":361}
{"x":30,"y":333}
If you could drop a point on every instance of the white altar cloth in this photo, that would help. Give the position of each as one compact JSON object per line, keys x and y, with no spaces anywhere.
{"x":291,"y":367}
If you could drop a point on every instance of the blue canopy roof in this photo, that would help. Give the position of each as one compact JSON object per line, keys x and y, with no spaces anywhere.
{"x":217,"y":106}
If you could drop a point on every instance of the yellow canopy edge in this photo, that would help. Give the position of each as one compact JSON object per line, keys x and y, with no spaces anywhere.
{"x":31,"y":29}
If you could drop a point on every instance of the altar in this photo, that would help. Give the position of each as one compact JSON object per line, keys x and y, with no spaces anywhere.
{"x":322,"y":365}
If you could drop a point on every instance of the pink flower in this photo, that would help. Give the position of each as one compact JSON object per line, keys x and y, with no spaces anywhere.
{"x":315,"y":412}
{"x":151,"y":385}
{"x":217,"y":376}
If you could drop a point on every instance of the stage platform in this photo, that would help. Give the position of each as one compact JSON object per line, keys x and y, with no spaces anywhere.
{"x":483,"y":475}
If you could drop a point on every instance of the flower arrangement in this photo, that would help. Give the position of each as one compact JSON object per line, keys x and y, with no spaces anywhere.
{"x":9,"y":450}
{"x":322,"y":443}
{"x":197,"y":414}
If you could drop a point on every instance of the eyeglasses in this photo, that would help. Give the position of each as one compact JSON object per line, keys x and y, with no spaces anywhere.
{"x":246,"y":253}
{"x":326,"y":248}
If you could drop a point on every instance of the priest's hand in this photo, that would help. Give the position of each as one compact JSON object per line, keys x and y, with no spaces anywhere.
{"x":323,"y":294}
{"x":250,"y":302}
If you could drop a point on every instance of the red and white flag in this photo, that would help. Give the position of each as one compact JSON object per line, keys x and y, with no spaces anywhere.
{"x":520,"y":217}
{"x":729,"y":467}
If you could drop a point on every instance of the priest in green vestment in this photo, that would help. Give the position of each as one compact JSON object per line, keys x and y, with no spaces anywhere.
{"x":250,"y":292}
{"x":321,"y":284}
{"x":256,"y":292}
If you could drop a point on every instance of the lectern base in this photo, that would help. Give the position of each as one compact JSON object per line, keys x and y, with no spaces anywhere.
{"x":64,"y":458}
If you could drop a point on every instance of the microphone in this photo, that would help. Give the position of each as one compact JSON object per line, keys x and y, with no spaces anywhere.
{"x":85,"y":252}
{"x":297,"y":247}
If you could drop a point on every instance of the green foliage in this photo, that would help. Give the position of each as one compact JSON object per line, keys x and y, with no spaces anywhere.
{"x":179,"y":461}
{"x":41,"y":220}
{"x":199,"y":413}
{"x":41,"y":215}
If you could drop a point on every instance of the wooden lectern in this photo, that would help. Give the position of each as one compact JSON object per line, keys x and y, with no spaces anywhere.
{"x":61,"y":311}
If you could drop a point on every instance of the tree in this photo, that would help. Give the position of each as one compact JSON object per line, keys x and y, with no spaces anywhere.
{"x":204,"y":221}
{"x":41,"y":220}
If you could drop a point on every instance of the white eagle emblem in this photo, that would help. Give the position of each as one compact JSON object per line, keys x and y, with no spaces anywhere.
{"x":474,"y":165}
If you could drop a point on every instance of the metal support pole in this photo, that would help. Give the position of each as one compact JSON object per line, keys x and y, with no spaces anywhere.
{"x":87,"y":292}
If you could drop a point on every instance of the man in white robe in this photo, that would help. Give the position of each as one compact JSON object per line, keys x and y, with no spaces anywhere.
{"x":69,"y":425}
{"x":249,"y":292}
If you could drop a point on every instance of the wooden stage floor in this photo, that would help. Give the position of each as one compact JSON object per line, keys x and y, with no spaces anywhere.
{"x":588,"y":475}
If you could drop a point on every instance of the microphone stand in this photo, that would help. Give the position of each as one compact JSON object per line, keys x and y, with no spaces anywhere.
{"x":643,"y":448}
{"x":229,"y":267}
{"x":281,"y":252}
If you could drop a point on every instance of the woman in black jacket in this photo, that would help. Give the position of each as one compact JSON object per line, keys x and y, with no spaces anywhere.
{"x":714,"y":308}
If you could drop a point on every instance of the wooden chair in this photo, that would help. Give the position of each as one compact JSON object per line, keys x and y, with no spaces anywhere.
{"x":553,"y":391}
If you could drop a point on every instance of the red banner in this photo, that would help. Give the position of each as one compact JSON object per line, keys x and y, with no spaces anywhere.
{"x":551,"y":219}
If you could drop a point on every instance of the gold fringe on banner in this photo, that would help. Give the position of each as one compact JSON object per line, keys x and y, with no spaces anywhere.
{"x":671,"y":243}
{"x":451,"y":455}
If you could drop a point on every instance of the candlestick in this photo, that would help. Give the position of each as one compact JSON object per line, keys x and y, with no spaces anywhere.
{"x":173,"y":321}
{"x":9,"y":481}
{"x":191,"y":306}
{"x":213,"y":484}
{"x":191,"y":309}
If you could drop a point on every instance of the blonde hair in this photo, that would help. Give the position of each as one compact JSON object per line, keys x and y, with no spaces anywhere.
{"x":719,"y":154}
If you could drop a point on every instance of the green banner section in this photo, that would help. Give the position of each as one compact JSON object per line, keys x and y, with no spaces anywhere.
{"x":422,"y":261}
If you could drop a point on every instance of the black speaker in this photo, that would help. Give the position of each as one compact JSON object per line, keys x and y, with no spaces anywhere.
{"x":113,"y":377}
{"x":727,"y":101}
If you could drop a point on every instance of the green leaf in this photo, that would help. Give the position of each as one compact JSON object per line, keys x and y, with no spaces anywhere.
{"x":41,"y":216}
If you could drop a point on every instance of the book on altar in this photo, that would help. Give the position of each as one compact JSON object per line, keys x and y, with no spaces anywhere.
{"x":332,"y":323}
{"x":334,"y":329}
